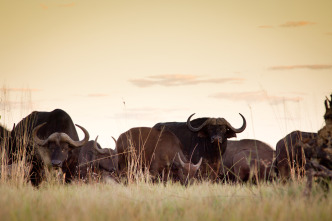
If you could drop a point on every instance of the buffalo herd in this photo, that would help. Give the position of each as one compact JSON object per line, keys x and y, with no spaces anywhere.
{"x":197,"y":149}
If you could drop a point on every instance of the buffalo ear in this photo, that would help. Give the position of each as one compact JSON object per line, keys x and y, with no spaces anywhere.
{"x":230,"y":134}
{"x":201,"y":134}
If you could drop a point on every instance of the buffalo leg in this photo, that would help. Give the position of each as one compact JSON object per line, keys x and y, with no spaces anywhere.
{"x":35,"y":175}
{"x":308,"y":187}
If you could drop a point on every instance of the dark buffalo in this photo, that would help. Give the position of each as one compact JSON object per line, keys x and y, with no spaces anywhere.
{"x":325,"y":134}
{"x":319,"y":159}
{"x":158,"y":151}
{"x":291,"y":152}
{"x":4,"y":135}
{"x":96,"y":160}
{"x":47,"y":139}
{"x":246,"y":160}
{"x":204,"y":137}
{"x":324,"y":137}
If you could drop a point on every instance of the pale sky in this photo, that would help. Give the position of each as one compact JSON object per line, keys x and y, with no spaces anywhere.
{"x":113,"y":65}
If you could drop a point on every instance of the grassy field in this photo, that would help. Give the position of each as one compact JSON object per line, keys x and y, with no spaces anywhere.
{"x":146,"y":201}
{"x":143,"y":201}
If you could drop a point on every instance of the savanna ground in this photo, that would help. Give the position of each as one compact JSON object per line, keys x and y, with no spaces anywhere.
{"x":142,"y":200}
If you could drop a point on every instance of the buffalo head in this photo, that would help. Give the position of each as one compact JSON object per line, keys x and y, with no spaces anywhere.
{"x":54,"y":150}
{"x":106,"y":157}
{"x":216,"y":129}
{"x":187,"y":170}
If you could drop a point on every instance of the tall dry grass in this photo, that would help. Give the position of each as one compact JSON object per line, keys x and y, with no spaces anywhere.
{"x":137,"y":170}
{"x":140,"y":199}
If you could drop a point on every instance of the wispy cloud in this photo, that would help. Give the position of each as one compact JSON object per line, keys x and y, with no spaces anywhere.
{"x":312,"y":67}
{"x":92,"y":95}
{"x":19,"y":89}
{"x":294,"y":24}
{"x":255,"y":96}
{"x":146,"y":113}
{"x":43,"y":6}
{"x":180,"y":80}
{"x":67,"y":5}
{"x":54,"y":5}
{"x":289,"y":24}
{"x":97,"y":95}
{"x":265,"y":26}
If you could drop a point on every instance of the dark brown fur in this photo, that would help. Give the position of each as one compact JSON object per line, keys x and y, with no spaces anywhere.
{"x":153,"y":150}
{"x":246,"y":159}
{"x":92,"y":161}
{"x":210,"y":142}
{"x":21,"y":141}
{"x":290,"y":153}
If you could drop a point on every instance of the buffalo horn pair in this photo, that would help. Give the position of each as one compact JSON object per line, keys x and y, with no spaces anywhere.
{"x":58,"y":137}
{"x":222,"y":121}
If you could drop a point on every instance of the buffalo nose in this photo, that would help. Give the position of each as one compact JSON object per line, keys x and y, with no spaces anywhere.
{"x":216,"y":139}
{"x":56,"y":163}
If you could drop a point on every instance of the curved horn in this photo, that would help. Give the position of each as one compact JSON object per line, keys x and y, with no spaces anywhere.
{"x":196,"y":166}
{"x":36,"y":139}
{"x":181,"y":162}
{"x":65,"y":137}
{"x":114,"y":141}
{"x":239,"y":130}
{"x":326,"y":104}
{"x":328,"y":98}
{"x":96,"y":148}
{"x":193,"y":129}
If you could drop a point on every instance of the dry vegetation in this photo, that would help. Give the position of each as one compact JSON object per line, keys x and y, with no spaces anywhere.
{"x":142,"y":200}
